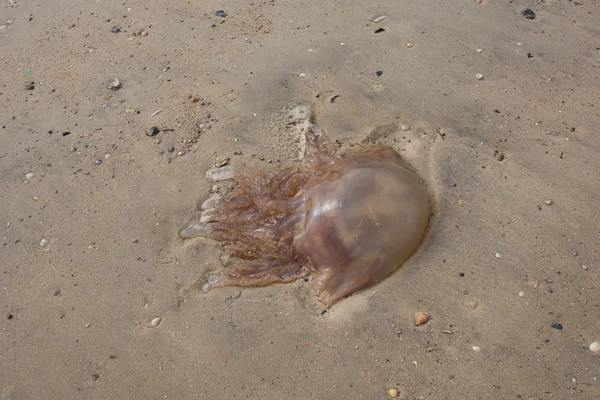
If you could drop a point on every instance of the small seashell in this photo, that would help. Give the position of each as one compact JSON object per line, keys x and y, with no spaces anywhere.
{"x":421,"y":318}
{"x":476,"y":348}
{"x":595,"y":347}
{"x":29,"y":176}
{"x":156,"y":321}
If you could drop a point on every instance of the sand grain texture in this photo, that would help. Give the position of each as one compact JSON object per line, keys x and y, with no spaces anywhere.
{"x":75,"y":315}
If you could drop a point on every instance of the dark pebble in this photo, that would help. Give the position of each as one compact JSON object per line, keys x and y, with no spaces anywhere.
{"x":528,"y":13}
{"x":379,"y":73}
{"x":153,"y":131}
{"x":461,"y":274}
{"x":115,"y":29}
{"x":171,"y":149}
{"x":380,"y":30}
{"x":66,"y":133}
{"x":30,"y":86}
{"x":557,"y":325}
{"x":221,"y":14}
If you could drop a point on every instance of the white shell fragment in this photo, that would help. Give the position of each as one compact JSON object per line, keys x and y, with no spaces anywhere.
{"x":156,"y":321}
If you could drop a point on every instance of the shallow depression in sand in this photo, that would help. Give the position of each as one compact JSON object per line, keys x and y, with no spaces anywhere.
{"x":347,"y":218}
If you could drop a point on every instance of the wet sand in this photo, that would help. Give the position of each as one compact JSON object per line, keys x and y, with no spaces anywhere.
{"x":510,"y":161}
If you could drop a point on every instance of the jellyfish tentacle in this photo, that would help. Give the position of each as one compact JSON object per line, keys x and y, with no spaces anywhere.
{"x":259,"y":273}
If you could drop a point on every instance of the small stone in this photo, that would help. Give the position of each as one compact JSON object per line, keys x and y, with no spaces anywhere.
{"x":405,"y":127}
{"x":498,"y":255}
{"x":480,"y":50}
{"x":144,"y":33}
{"x":410,"y":45}
{"x":595,"y":347}
{"x":153,"y":131}
{"x":44,"y":242}
{"x":379,"y":19}
{"x":476,"y":348}
{"x":557,"y":325}
{"x":521,"y":294}
{"x":584,"y":267}
{"x":156,"y":321}
{"x":56,"y":292}
{"x":302,"y":75}
{"x":98,"y":162}
{"x":29,"y":176}
{"x":115,"y":29}
{"x":30,"y":86}
{"x":379,"y":73}
{"x":171,"y":149}
{"x":10,"y":22}
{"x":220,"y":13}
{"x":393,"y":393}
{"x":115,"y":84}
{"x":478,"y":1}
{"x":473,"y":304}
{"x":535,"y":284}
{"x":549,"y":202}
{"x":86,"y":326}
{"x":528,"y":13}
{"x":107,"y":156}
{"x":479,"y":76}
{"x":421,"y":318}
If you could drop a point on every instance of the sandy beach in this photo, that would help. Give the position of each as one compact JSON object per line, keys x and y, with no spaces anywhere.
{"x":496,"y":107}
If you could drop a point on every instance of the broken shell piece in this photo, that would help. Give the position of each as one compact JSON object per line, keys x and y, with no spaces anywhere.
{"x":115,"y":84}
{"x":221,"y":163}
{"x":421,"y":318}
{"x":379,"y":19}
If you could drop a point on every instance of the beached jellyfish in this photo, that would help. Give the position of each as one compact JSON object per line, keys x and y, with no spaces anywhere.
{"x":348,"y":219}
